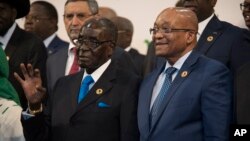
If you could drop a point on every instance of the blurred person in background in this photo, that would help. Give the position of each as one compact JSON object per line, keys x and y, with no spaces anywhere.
{"x":245,"y":7}
{"x":125,"y":36}
{"x":42,"y":20}
{"x":107,"y":12}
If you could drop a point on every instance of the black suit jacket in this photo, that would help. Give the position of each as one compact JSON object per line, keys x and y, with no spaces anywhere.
{"x":56,"y":64}
{"x":243,"y":94}
{"x":25,"y":47}
{"x":89,"y":120}
{"x":138,"y":60}
{"x":56,"y":44}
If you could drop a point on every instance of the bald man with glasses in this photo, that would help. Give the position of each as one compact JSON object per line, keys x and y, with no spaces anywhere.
{"x":188,"y":97}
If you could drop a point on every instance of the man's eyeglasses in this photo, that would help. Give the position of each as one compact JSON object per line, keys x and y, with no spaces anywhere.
{"x":79,"y":16}
{"x":245,"y":6}
{"x":91,"y":43}
{"x":169,"y":30}
{"x":36,"y":18}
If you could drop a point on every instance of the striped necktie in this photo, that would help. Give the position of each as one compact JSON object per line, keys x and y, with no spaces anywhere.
{"x":157,"y":103}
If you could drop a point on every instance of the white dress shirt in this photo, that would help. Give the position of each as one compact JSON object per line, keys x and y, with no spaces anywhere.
{"x":97,"y":73}
{"x":48,"y":40}
{"x":6,"y":38}
{"x":202,"y":25}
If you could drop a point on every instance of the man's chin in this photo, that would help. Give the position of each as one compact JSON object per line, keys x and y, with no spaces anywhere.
{"x":73,"y":36}
{"x":159,"y":54}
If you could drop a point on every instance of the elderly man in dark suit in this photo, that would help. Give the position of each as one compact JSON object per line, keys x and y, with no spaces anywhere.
{"x":19,"y":46}
{"x":75,"y":13}
{"x":42,"y":21}
{"x":189,"y":96}
{"x":105,"y":110}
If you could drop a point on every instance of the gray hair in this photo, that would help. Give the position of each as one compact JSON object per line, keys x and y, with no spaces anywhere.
{"x":93,"y":5}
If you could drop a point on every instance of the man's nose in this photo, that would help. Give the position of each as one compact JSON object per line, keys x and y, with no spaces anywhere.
{"x":76,"y":20}
{"x":157,"y":35}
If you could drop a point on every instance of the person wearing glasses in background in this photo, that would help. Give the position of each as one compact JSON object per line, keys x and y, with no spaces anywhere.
{"x":75,"y":13}
{"x":42,"y":21}
{"x":189,"y":96}
{"x":106,"y":111}
{"x":245,"y":7}
{"x":243,"y":77}
{"x":220,"y":40}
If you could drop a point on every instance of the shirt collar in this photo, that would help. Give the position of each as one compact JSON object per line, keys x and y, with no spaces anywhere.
{"x":98,"y":72}
{"x":71,"y":45}
{"x":5,"y":39}
{"x":48,"y":40}
{"x":178,"y":64}
{"x":203,"y":24}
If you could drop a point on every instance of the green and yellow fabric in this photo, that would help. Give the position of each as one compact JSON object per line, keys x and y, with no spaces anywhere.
{"x":7,"y":91}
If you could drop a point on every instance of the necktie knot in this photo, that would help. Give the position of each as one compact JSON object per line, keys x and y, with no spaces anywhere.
{"x":74,"y":50}
{"x":170,"y":71}
{"x":88,"y":80}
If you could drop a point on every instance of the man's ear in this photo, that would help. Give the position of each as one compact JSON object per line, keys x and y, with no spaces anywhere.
{"x":190,"y":36}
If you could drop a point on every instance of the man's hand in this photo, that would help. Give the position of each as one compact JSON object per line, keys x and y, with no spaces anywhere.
{"x":32,"y":85}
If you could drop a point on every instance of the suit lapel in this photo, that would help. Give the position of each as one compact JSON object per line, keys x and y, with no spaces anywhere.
{"x":209,"y":35}
{"x":75,"y":87}
{"x":187,"y":67}
{"x":145,"y":97}
{"x":52,"y":46}
{"x":61,"y":63}
{"x":12,"y":45}
{"x":100,"y":88}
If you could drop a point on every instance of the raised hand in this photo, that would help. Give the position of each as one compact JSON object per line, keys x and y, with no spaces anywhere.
{"x":32,"y":85}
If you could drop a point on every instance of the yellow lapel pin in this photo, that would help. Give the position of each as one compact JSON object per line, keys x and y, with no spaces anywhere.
{"x":210,"y":38}
{"x":99,"y":91}
{"x":184,"y":74}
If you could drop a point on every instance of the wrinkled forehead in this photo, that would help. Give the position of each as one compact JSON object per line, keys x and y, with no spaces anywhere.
{"x":96,"y":31}
{"x":177,"y":17}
